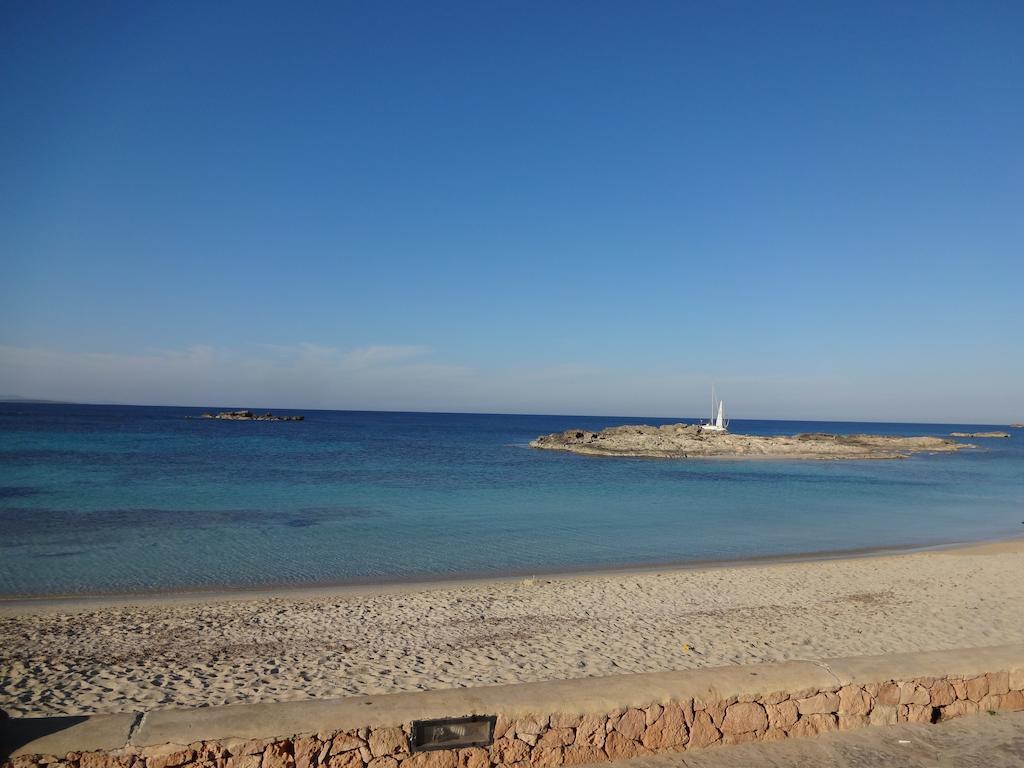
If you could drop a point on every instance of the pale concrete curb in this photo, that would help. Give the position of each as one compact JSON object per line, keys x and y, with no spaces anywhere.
{"x":131,"y":732}
{"x":589,"y":695}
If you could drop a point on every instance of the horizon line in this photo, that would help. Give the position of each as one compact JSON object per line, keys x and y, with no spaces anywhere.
{"x":15,"y":399}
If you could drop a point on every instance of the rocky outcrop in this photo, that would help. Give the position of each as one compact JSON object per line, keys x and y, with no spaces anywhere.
{"x":683,"y":441}
{"x":979,"y":434}
{"x":249,"y":416}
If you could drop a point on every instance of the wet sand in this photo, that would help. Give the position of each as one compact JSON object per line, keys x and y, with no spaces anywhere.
{"x":120,"y":654}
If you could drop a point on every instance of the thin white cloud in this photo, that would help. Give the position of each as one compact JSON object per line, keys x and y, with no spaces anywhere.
{"x":411,"y":377}
{"x":380,"y":355}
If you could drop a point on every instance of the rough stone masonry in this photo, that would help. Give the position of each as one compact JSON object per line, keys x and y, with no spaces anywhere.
{"x":566,"y":738}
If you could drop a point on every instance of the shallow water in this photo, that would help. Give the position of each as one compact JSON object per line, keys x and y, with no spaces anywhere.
{"x":119,"y":499}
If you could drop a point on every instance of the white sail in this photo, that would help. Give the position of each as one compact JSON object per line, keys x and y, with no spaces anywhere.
{"x":717,"y":421}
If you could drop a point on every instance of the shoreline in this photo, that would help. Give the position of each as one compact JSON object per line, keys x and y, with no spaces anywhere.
{"x":28,"y":604}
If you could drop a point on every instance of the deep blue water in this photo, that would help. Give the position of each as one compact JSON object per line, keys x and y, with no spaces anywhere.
{"x":119,"y":499}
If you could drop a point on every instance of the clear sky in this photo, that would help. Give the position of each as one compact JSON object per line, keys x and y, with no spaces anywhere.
{"x":517,"y":207}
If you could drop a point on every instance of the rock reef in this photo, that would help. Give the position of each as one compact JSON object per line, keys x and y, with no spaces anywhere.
{"x":683,"y":441}
{"x":979,"y":434}
{"x":249,"y":416}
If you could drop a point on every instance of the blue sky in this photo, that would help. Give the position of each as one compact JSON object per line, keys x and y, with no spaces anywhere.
{"x":568,"y":208}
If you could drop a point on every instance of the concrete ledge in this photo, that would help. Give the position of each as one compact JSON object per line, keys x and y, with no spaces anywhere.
{"x":964,"y":663}
{"x":585,"y":696}
{"x":547,"y":724}
{"x":60,"y":735}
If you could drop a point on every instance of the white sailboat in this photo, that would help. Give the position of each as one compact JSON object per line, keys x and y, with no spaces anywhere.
{"x":716,"y":423}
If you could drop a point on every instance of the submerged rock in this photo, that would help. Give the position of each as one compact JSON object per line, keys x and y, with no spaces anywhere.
{"x":683,"y":441}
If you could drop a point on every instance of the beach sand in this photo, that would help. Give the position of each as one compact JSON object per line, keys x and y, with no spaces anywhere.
{"x":73,"y":657}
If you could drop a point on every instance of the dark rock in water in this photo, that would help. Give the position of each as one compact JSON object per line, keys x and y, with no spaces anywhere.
{"x":249,"y":416}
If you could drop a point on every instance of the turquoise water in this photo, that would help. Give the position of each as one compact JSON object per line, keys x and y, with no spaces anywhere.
{"x":98,"y":499}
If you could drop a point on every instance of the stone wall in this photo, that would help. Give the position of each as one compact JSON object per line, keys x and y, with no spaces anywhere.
{"x":542,"y":728}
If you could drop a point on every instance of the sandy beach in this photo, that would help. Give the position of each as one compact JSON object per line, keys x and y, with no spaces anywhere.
{"x":131,"y":654}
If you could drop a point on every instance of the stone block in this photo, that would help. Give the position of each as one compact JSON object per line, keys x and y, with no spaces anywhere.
{"x":631,"y":724}
{"x":703,"y":732}
{"x":546,"y":756}
{"x":1014,"y":700}
{"x":815,"y":723}
{"x":912,"y":693}
{"x":278,"y":755}
{"x":387,"y":741}
{"x":977,"y":688}
{"x":237,"y":748}
{"x":474,"y":757}
{"x":652,"y":713}
{"x":998,"y":682}
{"x":669,"y":731}
{"x":888,"y":694}
{"x":306,"y":750}
{"x":852,"y":722}
{"x":590,"y":732}
{"x":171,"y":759}
{"x":618,"y":747}
{"x":819,"y":704}
{"x":782,"y":715}
{"x":958,"y":708}
{"x":502,"y":724}
{"x":918,"y":713}
{"x":1016,"y":679}
{"x":959,"y":688}
{"x":883,"y":714}
{"x":744,"y":717}
{"x":509,"y":750}
{"x":854,"y":700}
{"x":534,"y":725}
{"x":345,"y":742}
{"x":941,"y":693}
{"x":716,"y":710}
{"x":687,"y":706}
{"x":990,"y":702}
{"x":553,"y":738}
{"x":98,"y":760}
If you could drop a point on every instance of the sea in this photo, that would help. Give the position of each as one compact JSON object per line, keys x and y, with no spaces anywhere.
{"x":98,"y":499}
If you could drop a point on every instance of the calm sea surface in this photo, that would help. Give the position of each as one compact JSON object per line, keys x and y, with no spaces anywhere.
{"x":98,"y":499}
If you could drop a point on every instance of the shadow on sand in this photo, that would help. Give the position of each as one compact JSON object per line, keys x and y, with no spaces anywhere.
{"x":17,"y":732}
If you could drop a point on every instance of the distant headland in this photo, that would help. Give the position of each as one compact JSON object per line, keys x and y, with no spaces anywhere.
{"x":684,"y":441}
{"x":247,"y":416}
